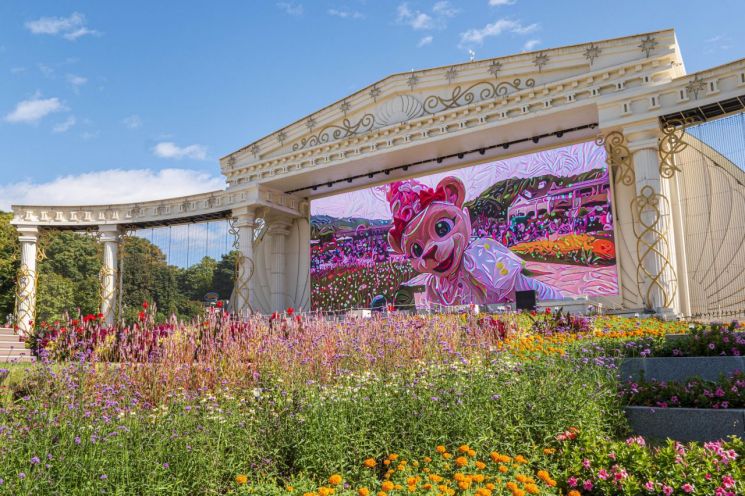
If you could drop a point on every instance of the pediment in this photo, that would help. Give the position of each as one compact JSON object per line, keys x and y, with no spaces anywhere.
{"x":409,"y":98}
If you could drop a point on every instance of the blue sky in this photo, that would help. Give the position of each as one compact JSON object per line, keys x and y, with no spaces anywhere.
{"x":146,"y":96}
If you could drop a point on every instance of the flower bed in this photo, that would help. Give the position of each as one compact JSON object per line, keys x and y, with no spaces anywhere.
{"x":727,"y":392}
{"x":581,"y":249}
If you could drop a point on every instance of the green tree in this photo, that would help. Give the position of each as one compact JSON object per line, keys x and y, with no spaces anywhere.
{"x":8,"y":264}
{"x":224,"y":275}
{"x":68,"y":278}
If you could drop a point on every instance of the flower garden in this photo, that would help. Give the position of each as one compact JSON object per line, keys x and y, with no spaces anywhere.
{"x":511,"y":404}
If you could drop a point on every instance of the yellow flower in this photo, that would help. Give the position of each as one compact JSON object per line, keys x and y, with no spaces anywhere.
{"x":464,"y":448}
{"x":461,"y":461}
{"x":532,"y":489}
{"x":574,"y":492}
{"x":370,"y":463}
{"x":393,"y":456}
{"x":447,"y":456}
{"x":441,"y":449}
{"x":387,"y":486}
{"x":464,"y":484}
{"x":520,"y":459}
{"x":471,"y":453}
{"x":426,"y":459}
{"x":480,"y":465}
{"x":335,"y":480}
{"x":479,"y":478}
{"x":290,"y":489}
{"x":325,"y":491}
{"x":503,"y":469}
{"x":363,"y":491}
{"x":549,"y":451}
{"x":241,"y":479}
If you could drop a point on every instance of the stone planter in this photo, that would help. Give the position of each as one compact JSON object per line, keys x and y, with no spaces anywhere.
{"x":680,"y":369}
{"x":686,"y":424}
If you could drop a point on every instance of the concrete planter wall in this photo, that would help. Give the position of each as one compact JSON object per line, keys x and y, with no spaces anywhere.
{"x":680,"y":369}
{"x":686,"y":424}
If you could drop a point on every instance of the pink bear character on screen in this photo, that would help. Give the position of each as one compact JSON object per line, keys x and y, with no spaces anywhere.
{"x":433,"y":230}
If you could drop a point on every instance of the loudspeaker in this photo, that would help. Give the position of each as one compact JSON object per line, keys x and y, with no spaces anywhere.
{"x":525,"y":300}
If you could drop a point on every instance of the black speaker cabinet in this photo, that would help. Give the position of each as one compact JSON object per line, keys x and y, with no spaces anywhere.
{"x":525,"y":300}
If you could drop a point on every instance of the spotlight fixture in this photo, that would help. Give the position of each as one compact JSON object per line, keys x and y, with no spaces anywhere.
{"x":460,"y":155}
{"x":536,"y":139}
{"x":482,"y":151}
{"x":330,"y":184}
{"x":405,"y":167}
{"x":505,"y":145}
{"x":315,"y":188}
{"x":387,"y":172}
{"x":439,"y":160}
{"x":349,"y":179}
{"x":370,"y":175}
{"x":559,"y":134}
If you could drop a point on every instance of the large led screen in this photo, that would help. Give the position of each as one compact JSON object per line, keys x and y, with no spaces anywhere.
{"x":478,"y":234}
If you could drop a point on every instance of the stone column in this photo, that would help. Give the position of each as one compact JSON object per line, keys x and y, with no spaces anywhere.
{"x":26,"y":290}
{"x":109,"y":272}
{"x":245,"y":225}
{"x":653,"y":223}
{"x":278,"y":229}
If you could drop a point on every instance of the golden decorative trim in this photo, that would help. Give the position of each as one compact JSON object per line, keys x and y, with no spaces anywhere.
{"x":25,"y":310}
{"x":618,"y":157}
{"x":243,"y":272}
{"x":106,"y":286}
{"x":673,"y":142}
{"x":652,"y":246}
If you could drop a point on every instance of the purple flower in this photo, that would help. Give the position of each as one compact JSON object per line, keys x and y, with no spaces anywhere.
{"x":21,"y":475}
{"x":35,"y":460}
{"x":166,"y":465}
{"x":104,"y":477}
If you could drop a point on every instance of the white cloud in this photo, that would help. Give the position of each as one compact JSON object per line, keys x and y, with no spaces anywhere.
{"x":425,"y":41}
{"x":444,"y":9}
{"x":108,"y":187}
{"x":531,"y":44}
{"x":132,"y":122}
{"x":64,"y":125}
{"x":418,"y":20}
{"x":476,"y":36}
{"x":33,"y":110}
{"x":76,"y":80}
{"x":346,"y":14}
{"x":293,"y":9}
{"x":499,"y":3}
{"x":71,"y":28}
{"x":169,"y":149}
{"x":17,"y":70}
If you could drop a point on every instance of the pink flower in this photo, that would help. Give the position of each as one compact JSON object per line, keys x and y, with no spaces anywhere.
{"x":586,"y":463}
{"x":667,"y":490}
{"x":587,"y":485}
{"x":603,"y":474}
{"x":572,"y":481}
{"x":649,"y":486}
{"x":687,"y":488}
{"x":728,"y":481}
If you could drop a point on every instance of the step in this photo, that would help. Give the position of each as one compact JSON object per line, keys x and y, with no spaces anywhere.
{"x":686,"y":424}
{"x":16,"y":359}
{"x":680,"y":369}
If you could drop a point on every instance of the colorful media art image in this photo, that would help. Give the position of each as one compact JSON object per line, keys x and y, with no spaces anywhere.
{"x":539,"y":222}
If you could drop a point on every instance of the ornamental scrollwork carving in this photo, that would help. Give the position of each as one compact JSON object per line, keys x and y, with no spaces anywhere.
{"x":618,"y":157}
{"x":243,"y":271}
{"x":484,"y":90}
{"x":652,"y":248}
{"x":672,"y":142}
{"x":336,"y":132}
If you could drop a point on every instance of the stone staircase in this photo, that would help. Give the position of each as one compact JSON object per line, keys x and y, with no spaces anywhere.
{"x":12,"y":349}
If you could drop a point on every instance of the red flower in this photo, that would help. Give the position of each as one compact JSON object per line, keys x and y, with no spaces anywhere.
{"x":145,"y":305}
{"x":75,"y":321}
{"x":548,"y":311}
{"x":141,"y":315}
{"x":290,"y":311}
{"x":219,"y":304}
{"x":100,"y":316}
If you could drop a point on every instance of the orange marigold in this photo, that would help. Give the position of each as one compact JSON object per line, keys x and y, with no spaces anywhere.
{"x":387,"y":486}
{"x":241,"y":479}
{"x":335,"y":480}
{"x":441,"y":449}
{"x":370,"y":463}
{"x":363,"y":491}
{"x":461,"y":461}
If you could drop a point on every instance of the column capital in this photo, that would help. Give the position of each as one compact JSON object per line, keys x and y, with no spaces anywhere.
{"x":28,"y":234}
{"x":244,"y":217}
{"x":278,"y":224}
{"x":643,"y":135}
{"x":109,"y":233}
